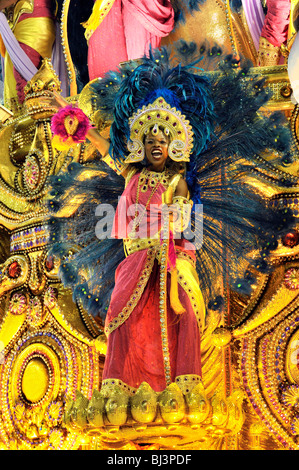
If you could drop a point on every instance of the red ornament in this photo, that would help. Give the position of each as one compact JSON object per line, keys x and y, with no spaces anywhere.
{"x":291,"y":239}
{"x":49,"y":264}
{"x":14,"y":270}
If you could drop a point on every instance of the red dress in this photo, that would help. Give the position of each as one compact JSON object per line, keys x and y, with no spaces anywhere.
{"x":276,"y":24}
{"x":127,"y":32}
{"x":139,"y":345}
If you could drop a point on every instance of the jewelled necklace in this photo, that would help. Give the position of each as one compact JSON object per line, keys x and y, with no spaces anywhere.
{"x":147,"y":179}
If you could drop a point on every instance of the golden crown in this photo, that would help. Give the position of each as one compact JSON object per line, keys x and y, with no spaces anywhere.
{"x":153,"y":117}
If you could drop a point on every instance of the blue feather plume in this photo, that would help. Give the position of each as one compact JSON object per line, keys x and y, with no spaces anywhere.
{"x":184,"y":7}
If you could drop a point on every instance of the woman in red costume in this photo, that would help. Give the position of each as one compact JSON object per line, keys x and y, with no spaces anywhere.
{"x":274,"y":32}
{"x":120,"y":30}
{"x":144,"y":343}
{"x":156,"y":304}
{"x":162,"y":121}
{"x":147,"y":337}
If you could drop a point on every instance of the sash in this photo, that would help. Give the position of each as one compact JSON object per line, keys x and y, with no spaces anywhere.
{"x":42,"y":35}
{"x":20,"y":60}
{"x":255,"y":19}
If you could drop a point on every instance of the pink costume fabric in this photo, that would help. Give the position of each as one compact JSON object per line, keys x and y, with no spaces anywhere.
{"x":276,"y":24}
{"x":42,"y":8}
{"x":127,"y":32}
{"x":134,"y":348}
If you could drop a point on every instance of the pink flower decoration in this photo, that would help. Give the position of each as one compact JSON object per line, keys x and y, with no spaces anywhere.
{"x":58,"y":123}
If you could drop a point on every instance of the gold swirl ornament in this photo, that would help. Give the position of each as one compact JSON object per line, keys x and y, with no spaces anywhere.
{"x":172,"y":404}
{"x":220,"y":410}
{"x":144,"y":404}
{"x":79,"y":410}
{"x":116,"y":407}
{"x":96,"y":409}
{"x":198,"y":406}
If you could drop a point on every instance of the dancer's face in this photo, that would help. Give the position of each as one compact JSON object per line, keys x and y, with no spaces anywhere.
{"x":156,"y":150}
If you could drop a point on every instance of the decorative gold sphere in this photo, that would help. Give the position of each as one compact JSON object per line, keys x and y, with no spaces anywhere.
{"x":221,"y":337}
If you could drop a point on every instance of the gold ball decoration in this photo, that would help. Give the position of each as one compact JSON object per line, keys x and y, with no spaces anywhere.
{"x":221,"y":337}
{"x":198,"y":405}
{"x":144,"y":404}
{"x":172,"y":404}
{"x":117,"y":407}
{"x":96,"y":408}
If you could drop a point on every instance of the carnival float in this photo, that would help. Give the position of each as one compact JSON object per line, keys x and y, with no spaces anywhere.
{"x":52,"y":345}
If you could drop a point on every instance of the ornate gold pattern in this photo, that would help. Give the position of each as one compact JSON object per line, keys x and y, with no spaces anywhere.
{"x":163,"y":303}
{"x":186,"y":417}
{"x":43,"y":333}
{"x":187,"y":279}
{"x":268,"y":54}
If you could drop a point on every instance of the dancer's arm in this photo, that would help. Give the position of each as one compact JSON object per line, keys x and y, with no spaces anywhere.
{"x":98,"y":141}
{"x":182,"y":188}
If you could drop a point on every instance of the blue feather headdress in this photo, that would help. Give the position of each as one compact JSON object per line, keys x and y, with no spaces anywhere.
{"x":188,"y":93}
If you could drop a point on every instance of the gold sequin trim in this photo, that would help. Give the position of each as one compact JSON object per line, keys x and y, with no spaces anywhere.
{"x":187,"y":382}
{"x":195,"y":296}
{"x":138,"y":244}
{"x":183,"y":255}
{"x":110,"y":385}
{"x":163,"y":310}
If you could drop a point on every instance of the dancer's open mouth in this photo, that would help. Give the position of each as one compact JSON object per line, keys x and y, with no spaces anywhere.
{"x":156,"y":154}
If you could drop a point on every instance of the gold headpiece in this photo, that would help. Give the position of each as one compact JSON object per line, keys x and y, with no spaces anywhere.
{"x":44,"y":81}
{"x":152,"y":117}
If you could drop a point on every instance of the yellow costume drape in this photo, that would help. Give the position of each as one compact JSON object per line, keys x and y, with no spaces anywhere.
{"x":100,"y":9}
{"x":38,"y":33}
